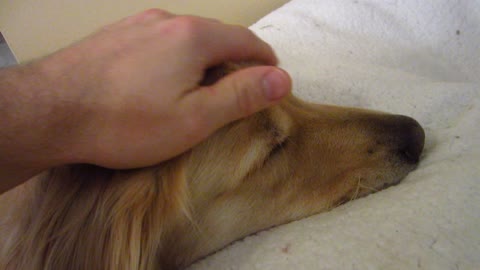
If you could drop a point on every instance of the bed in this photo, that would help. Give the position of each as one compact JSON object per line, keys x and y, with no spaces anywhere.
{"x":418,"y":58}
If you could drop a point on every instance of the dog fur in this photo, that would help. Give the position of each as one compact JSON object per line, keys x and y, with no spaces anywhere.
{"x":281,"y":164}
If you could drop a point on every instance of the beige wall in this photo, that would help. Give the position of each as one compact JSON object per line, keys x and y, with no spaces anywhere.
{"x":34,"y":28}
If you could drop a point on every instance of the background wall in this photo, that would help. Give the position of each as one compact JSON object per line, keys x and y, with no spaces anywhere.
{"x":34,"y":28}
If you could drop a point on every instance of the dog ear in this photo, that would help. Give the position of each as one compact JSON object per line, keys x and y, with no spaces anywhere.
{"x":149,"y":205}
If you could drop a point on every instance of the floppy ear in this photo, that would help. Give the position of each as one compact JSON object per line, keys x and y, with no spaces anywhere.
{"x":87,"y":217}
{"x":143,"y":207}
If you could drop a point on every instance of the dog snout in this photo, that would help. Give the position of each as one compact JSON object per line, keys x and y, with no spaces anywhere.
{"x":402,"y":135}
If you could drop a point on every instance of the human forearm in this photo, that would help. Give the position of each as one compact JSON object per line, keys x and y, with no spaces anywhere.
{"x":31,"y":124}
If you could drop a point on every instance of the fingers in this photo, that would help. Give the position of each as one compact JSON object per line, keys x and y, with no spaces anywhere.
{"x":237,"y":95}
{"x":217,"y":43}
{"x":212,"y":41}
{"x":149,"y":15}
{"x":235,"y":43}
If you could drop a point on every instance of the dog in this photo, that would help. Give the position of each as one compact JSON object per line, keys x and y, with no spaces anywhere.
{"x":287,"y":162}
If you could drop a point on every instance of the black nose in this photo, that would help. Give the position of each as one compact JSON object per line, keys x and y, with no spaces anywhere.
{"x":404,"y":136}
{"x":412,"y":139}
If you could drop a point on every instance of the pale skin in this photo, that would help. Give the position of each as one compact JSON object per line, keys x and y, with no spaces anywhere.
{"x":128,"y":96}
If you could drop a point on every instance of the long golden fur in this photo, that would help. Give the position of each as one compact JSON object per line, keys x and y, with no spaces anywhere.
{"x":284,"y":163}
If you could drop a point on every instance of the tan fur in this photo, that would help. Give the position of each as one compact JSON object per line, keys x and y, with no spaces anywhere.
{"x":278,"y":165}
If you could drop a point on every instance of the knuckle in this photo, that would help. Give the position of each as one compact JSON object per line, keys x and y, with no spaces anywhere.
{"x":155,"y":13}
{"x":188,"y":31}
{"x":187,"y":24}
{"x":147,"y":16}
{"x":187,"y":28}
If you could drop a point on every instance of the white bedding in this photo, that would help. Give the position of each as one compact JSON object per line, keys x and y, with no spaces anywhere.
{"x":418,"y":58}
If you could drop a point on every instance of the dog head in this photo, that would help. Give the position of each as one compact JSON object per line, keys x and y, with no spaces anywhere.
{"x":291,"y":161}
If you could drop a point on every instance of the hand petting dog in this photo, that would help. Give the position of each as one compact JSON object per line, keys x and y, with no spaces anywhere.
{"x":129,"y":95}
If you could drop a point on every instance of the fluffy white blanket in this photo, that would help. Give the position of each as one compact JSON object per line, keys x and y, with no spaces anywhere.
{"x":418,"y":58}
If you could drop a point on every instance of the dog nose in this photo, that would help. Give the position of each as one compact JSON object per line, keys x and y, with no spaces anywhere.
{"x":413,"y":140}
{"x":409,"y":138}
{"x":402,"y":135}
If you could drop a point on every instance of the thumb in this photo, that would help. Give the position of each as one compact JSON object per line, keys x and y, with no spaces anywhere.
{"x":239,"y":94}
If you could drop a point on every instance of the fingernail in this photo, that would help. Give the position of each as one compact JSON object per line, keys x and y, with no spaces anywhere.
{"x":276,"y":84}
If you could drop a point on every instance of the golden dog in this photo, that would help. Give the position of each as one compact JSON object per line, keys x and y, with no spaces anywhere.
{"x":284,"y":163}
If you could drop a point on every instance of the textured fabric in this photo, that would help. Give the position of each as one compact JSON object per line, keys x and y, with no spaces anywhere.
{"x":417,"y":58}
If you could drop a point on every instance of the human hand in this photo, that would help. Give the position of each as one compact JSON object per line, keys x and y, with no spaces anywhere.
{"x":132,"y":89}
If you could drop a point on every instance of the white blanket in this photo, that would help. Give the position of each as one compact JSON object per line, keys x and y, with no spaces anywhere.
{"x":418,"y":58}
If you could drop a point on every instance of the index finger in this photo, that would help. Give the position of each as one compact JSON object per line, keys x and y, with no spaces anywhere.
{"x":218,"y":43}
{"x":237,"y":43}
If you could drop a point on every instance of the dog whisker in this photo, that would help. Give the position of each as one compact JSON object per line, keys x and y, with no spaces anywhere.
{"x":357,"y":189}
{"x":368,"y":187}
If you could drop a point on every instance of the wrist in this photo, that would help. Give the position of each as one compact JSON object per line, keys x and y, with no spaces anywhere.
{"x":37,"y":122}
{"x":66,"y":113}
